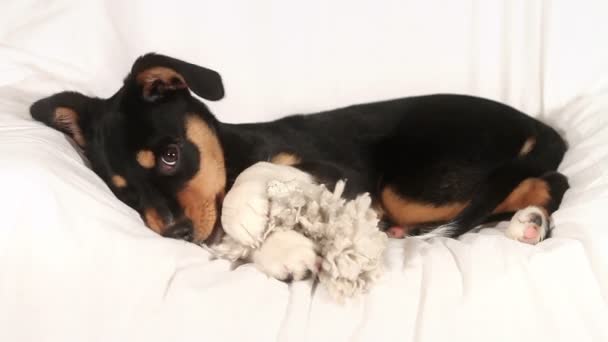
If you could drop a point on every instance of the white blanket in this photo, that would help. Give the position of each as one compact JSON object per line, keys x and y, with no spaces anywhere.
{"x":78,"y":265}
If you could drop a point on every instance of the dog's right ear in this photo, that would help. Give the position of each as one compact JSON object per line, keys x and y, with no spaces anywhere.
{"x":65,"y":112}
{"x":158,"y":75}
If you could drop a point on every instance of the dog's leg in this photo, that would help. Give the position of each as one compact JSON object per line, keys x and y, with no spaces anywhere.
{"x":530,"y":224}
{"x":491,"y":192}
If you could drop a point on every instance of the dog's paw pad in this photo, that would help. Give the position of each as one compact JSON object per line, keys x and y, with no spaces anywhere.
{"x":529,"y":225}
{"x":287,"y":256}
{"x":531,"y":232}
{"x":396,"y":232}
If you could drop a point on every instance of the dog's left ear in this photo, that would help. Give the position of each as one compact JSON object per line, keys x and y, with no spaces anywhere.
{"x":69,"y":112}
{"x":158,"y":74}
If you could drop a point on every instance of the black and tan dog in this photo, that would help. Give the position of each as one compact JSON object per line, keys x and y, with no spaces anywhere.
{"x":429,"y":159}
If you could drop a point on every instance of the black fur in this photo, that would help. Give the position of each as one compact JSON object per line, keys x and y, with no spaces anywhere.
{"x":436,"y":149}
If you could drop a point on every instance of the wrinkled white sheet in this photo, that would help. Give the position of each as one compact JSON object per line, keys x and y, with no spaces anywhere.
{"x":78,"y":265}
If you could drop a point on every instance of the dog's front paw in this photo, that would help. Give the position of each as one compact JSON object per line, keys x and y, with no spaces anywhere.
{"x":245,"y":213}
{"x":529,"y":225}
{"x":245,"y":208}
{"x":287,"y":255}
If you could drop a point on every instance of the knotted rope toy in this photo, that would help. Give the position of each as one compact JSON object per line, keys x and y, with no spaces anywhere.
{"x":268,"y":198}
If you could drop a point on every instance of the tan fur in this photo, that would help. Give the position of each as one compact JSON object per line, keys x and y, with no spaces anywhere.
{"x":67,"y":119}
{"x":406,"y":212}
{"x":153,"y":220}
{"x":528,"y":146}
{"x":119,"y":181}
{"x":531,"y":191}
{"x":285,"y":158}
{"x":147,"y":77}
{"x":199,"y":196}
{"x":146,"y":159}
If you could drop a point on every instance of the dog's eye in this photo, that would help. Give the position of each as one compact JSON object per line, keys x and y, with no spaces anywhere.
{"x":169,"y":158}
{"x":170,"y":155}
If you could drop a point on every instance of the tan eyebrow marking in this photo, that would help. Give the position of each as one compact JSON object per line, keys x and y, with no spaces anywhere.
{"x":146,"y":159}
{"x":119,"y":181}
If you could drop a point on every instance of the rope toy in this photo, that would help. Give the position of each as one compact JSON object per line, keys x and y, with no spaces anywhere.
{"x":267,"y":198}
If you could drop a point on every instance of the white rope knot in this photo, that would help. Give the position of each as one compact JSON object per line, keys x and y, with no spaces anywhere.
{"x":345,"y":232}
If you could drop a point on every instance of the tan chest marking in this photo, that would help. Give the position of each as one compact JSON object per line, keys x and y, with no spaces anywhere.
{"x":285,"y":158}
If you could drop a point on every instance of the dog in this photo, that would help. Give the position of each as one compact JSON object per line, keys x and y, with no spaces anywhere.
{"x":450,"y":160}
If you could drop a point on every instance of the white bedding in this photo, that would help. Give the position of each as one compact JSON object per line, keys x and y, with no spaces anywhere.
{"x":78,"y":265}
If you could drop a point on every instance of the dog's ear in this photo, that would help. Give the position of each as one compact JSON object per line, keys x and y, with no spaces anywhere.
{"x":67,"y":112}
{"x":158,"y":74}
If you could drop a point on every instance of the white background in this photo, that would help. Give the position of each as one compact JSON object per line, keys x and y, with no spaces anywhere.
{"x":280,"y":57}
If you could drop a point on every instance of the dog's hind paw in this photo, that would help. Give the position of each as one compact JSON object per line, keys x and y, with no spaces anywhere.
{"x":529,"y":225}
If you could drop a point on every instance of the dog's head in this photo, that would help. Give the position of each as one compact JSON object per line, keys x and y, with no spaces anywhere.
{"x":153,"y":143}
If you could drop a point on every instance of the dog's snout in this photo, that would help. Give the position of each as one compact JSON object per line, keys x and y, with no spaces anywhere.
{"x":182,"y":230}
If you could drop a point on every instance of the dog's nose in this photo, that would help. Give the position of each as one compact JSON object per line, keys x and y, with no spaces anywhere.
{"x":181,"y":230}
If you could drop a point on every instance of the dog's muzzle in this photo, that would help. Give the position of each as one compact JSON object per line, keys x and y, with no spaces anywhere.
{"x":183,"y":230}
